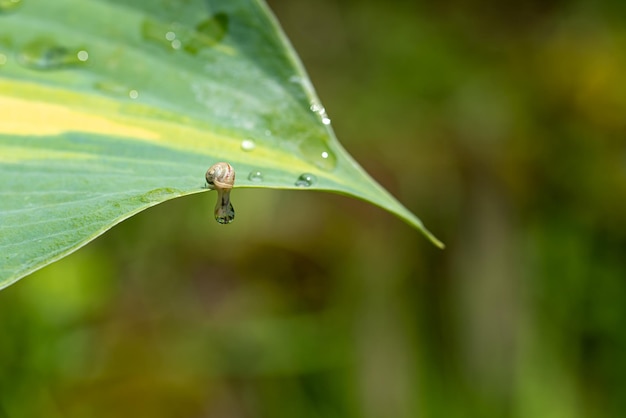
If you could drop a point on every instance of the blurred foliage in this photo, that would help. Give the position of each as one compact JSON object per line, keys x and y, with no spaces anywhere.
{"x":502,"y":124}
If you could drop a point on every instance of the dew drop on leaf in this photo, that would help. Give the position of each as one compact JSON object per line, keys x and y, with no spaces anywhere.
{"x":255,"y":176}
{"x":167,"y":36}
{"x":174,"y":36}
{"x":321,"y":112}
{"x":248,"y":145}
{"x":318,"y":153}
{"x":82,"y":55}
{"x":306,"y":180}
{"x":115,"y":89}
{"x":45,"y":54}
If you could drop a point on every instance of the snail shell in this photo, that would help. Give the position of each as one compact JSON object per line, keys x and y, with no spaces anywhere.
{"x":220,"y":176}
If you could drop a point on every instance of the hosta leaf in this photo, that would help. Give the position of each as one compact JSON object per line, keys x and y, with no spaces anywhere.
{"x":108,"y":107}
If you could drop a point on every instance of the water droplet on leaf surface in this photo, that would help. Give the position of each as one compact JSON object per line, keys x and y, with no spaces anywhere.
{"x":175,"y":36}
{"x":82,"y":55}
{"x":321,"y":112}
{"x":248,"y":145}
{"x":306,"y":180}
{"x":160,"y":33}
{"x":116,"y":89}
{"x":319,"y":154}
{"x":255,"y":176}
{"x":45,"y":54}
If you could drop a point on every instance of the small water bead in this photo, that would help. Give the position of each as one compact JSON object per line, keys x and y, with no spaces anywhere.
{"x":115,"y":89}
{"x":248,"y":145}
{"x":321,"y":112}
{"x":318,"y":153}
{"x":306,"y":180}
{"x":82,"y":55}
{"x":208,"y":33}
{"x":171,"y":37}
{"x":317,"y":108}
{"x":328,"y":160}
{"x":255,"y":176}
{"x":160,"y":33}
{"x":45,"y":54}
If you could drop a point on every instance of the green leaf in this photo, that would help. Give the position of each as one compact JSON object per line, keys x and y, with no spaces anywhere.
{"x":108,"y":107}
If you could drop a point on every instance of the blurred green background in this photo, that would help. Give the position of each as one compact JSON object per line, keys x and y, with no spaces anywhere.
{"x":501,"y":124}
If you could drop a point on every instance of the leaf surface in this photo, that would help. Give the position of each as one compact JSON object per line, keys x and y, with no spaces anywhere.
{"x":108,"y":107}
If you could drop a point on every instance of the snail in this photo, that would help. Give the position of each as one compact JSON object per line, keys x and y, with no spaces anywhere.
{"x":221,"y":177}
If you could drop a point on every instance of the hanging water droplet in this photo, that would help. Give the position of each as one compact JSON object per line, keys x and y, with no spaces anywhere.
{"x":9,"y":5}
{"x":248,"y":145}
{"x":45,"y":54}
{"x":133,"y":94}
{"x":225,"y":214}
{"x":306,"y":180}
{"x":170,"y":36}
{"x":255,"y":176}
